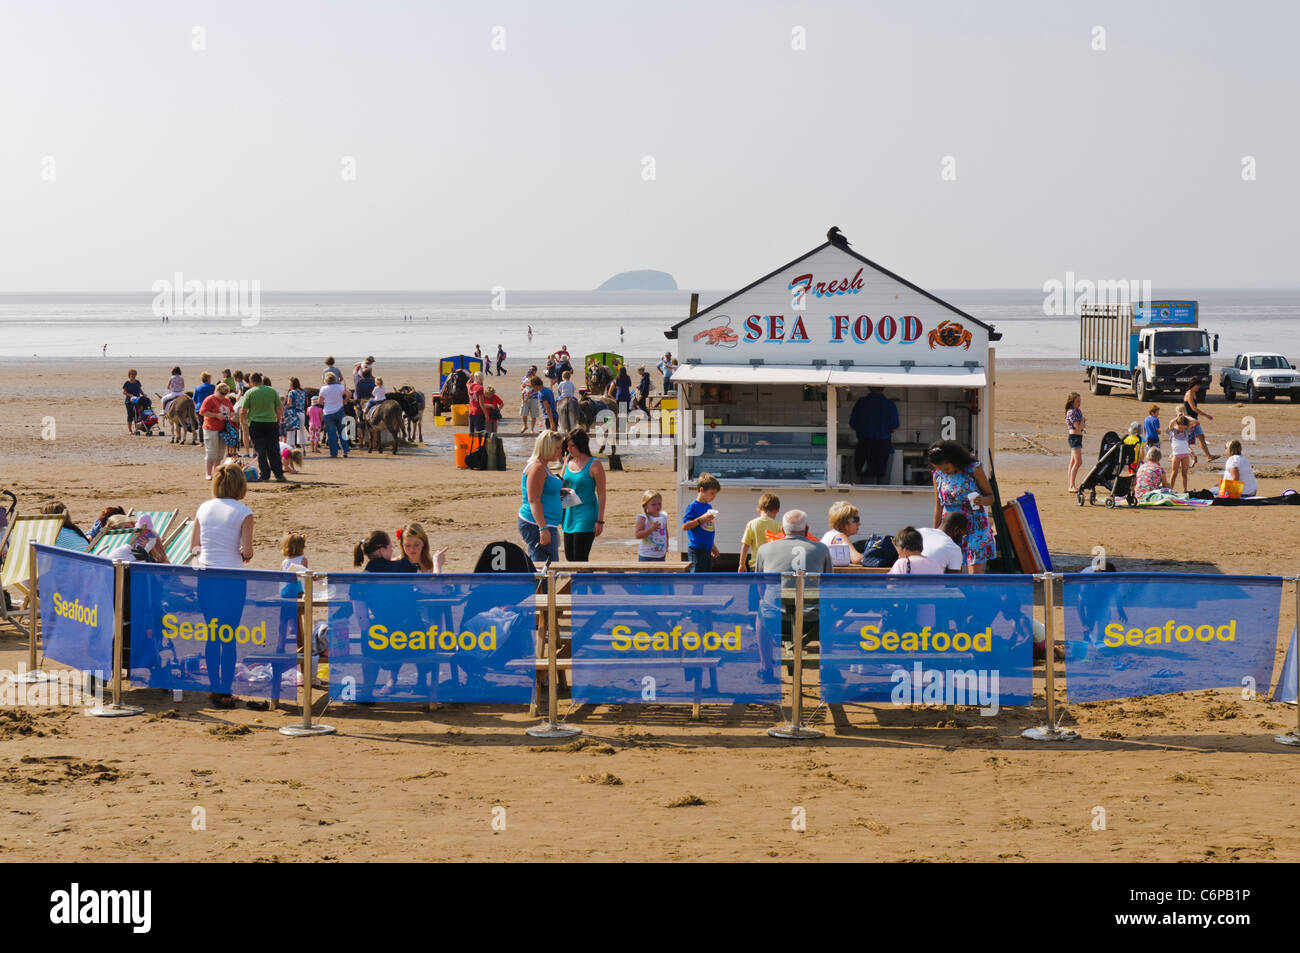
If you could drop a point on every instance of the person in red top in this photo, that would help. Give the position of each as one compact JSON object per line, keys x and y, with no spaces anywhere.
{"x":476,"y":412}
{"x":216,"y":410}
{"x":492,"y":404}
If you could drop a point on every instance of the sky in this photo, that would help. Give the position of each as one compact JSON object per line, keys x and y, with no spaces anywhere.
{"x":400,"y":145}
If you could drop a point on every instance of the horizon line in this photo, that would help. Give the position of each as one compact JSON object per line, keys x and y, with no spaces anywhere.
{"x":1278,"y":286}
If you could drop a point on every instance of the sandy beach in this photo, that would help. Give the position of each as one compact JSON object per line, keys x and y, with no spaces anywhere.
{"x":1192,"y":776}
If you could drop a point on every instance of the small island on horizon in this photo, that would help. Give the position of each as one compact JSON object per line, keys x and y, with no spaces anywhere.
{"x":644,"y":280}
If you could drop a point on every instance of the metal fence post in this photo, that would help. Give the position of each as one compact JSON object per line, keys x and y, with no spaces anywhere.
{"x":795,"y":729}
{"x":116,"y":709}
{"x":306,"y":636}
{"x":1049,"y":731}
{"x":551,"y":728}
{"x":1293,"y":737}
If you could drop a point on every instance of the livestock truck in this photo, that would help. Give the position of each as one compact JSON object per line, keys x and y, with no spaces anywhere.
{"x":1146,"y":348}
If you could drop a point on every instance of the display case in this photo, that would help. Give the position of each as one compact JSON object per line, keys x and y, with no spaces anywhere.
{"x":762,"y":454}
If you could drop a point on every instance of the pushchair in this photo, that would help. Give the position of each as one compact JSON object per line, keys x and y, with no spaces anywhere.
{"x":1114,"y":470}
{"x":145,"y":418}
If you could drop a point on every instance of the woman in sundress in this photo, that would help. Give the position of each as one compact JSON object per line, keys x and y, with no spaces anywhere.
{"x":295,"y":413}
{"x":960,"y":486}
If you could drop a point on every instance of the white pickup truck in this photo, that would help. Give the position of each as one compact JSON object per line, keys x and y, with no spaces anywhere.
{"x":1260,"y":374}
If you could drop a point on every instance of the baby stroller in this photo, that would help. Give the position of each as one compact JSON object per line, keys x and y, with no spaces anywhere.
{"x":145,"y":418}
{"x":1113,"y":470}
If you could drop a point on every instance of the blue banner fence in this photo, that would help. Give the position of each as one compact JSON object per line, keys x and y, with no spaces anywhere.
{"x":955,"y":640}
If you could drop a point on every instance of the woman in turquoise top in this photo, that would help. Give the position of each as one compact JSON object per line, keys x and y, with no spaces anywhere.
{"x":539,"y":515}
{"x":585,"y":476}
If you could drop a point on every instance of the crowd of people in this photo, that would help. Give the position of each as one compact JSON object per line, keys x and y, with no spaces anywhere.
{"x":1145,"y":465}
{"x":571,"y":505}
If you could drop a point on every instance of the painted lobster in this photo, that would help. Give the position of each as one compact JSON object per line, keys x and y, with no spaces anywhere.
{"x":719,"y":336}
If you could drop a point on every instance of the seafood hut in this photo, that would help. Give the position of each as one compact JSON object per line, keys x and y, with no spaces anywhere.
{"x":770,"y":375}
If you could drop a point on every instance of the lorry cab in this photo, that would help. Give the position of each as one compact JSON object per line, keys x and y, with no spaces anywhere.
{"x":1168,"y":359}
{"x":1146,"y":348}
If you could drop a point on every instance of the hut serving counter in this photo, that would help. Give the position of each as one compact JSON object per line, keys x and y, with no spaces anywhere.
{"x":769,"y":378}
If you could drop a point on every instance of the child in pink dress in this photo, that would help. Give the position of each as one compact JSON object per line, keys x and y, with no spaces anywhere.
{"x":315,"y":423}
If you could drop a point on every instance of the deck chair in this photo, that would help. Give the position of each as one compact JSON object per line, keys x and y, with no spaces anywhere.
{"x":109,"y":539}
{"x":15,"y":574}
{"x":177,"y":545}
{"x":162,"y":519}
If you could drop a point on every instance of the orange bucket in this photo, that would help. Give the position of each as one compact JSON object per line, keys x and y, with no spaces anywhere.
{"x":464,"y":444}
{"x":1231,"y":489}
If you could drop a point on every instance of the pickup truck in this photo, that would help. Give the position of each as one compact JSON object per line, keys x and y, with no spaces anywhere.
{"x":1260,"y":374}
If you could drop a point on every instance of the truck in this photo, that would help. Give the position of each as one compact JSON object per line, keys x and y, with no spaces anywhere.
{"x":1146,"y":348}
{"x":1260,"y":374}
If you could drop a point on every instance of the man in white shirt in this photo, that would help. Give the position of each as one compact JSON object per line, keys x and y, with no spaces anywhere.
{"x":943,"y":545}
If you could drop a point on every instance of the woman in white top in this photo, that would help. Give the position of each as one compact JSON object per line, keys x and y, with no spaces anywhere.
{"x":1237,"y":467}
{"x":844,"y":521}
{"x":222,"y":538}
{"x":175,"y":387}
{"x":332,"y":396}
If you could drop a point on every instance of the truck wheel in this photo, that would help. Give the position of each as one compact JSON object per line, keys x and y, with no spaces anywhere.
{"x":1143,"y":392}
{"x":1295,"y":396}
{"x":1098,"y":389}
{"x":1228,"y":393}
{"x":1250,"y":392}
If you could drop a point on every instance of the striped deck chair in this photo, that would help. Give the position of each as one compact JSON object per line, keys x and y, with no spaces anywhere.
{"x":178,"y":546}
{"x":15,"y":574}
{"x":109,"y":539}
{"x":162,"y":519}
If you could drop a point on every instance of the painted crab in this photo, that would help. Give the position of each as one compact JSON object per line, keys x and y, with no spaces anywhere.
{"x":950,"y":334}
{"x":719,"y":336}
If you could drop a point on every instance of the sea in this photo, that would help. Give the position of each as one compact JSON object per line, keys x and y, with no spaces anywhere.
{"x":406,"y":327}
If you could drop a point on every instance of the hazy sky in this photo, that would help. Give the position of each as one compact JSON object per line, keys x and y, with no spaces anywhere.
{"x":524,"y":167}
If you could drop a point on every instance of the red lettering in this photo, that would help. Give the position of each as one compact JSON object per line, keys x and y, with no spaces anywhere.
{"x":856,"y":284}
{"x":862,"y":329}
{"x":886,"y":328}
{"x":753,"y":328}
{"x":839,"y":324}
{"x":797,"y":333}
{"x":911,"y":328}
{"x":775,"y":327}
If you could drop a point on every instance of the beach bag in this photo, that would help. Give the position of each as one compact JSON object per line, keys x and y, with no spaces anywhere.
{"x":230,"y":435}
{"x":881,"y":555}
{"x":494,"y":413}
{"x":476,"y":459}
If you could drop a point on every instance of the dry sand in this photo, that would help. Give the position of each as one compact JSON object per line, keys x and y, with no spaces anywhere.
{"x":1181,"y":777}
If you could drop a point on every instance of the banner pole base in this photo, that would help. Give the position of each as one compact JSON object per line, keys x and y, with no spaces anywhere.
{"x":32,"y":676}
{"x":797,"y":732}
{"x":551,"y":729}
{"x":1048,"y":733}
{"x":114,"y":711}
{"x":306,"y":731}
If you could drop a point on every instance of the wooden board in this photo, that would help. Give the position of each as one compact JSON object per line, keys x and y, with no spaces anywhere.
{"x":1020,"y":542}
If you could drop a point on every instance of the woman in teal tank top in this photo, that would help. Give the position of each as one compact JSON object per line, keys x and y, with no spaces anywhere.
{"x":585,"y":475}
{"x":541,"y":510}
